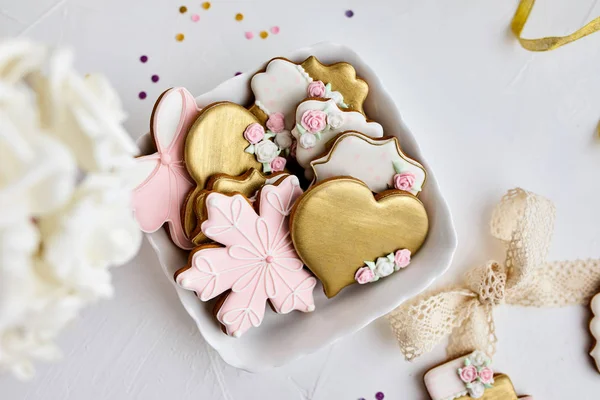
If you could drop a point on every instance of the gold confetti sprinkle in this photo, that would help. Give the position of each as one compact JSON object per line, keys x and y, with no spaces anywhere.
{"x":183,"y":9}
{"x":179,"y":37}
{"x":239,"y":17}
{"x":264,"y":34}
{"x":206,"y":5}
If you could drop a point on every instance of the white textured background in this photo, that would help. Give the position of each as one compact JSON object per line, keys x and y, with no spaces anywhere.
{"x":488,"y":115}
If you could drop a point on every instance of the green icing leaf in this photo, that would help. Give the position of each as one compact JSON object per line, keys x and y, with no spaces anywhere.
{"x":300,"y":129}
{"x":390,"y":257}
{"x":370,"y":264}
{"x":468,"y":386}
{"x":467,"y":362}
{"x":249,"y":149}
{"x":397,"y":166}
{"x":318,"y":135}
{"x":266,"y":167}
{"x":343,"y":105}
{"x":328,"y":87}
{"x":269,"y":135}
{"x":487,"y":385}
{"x":488,"y":362}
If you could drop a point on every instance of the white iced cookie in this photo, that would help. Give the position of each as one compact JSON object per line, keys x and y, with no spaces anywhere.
{"x":318,"y":121}
{"x":595,"y":329}
{"x":283,"y":85}
{"x":379,"y":163}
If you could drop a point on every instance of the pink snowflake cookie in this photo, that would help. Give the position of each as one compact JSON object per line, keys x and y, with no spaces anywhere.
{"x":258,"y":262}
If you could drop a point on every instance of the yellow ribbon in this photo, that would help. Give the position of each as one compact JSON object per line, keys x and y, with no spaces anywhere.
{"x":524,"y":221}
{"x":547,"y":43}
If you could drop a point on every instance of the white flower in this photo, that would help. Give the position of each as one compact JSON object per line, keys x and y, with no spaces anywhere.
{"x":308,"y":140}
{"x":383,"y":267}
{"x":335,"y":96}
{"x":266,"y":151}
{"x":86,"y":114}
{"x":95,"y":231}
{"x":476,"y":389}
{"x":478,"y":358}
{"x":335,"y":119}
{"x":283,"y":139}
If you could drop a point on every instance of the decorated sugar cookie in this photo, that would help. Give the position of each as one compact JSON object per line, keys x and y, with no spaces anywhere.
{"x":284,"y":84}
{"x":595,"y":329}
{"x":380,"y":163}
{"x":162,"y":179}
{"x":247,"y":185}
{"x":318,"y":121}
{"x":216,"y":144}
{"x":469,"y":377}
{"x":258,"y":261}
{"x":338,"y":225}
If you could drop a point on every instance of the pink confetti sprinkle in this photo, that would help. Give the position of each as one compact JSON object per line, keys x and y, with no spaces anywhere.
{"x":275,"y":30}
{"x":195,"y":18}
{"x":249,"y":35}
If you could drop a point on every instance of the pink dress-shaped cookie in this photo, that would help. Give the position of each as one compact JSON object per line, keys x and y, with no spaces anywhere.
{"x":164,"y":180}
{"x":258,"y":262}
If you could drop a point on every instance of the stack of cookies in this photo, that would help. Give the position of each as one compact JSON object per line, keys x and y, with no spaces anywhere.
{"x":272,"y":196}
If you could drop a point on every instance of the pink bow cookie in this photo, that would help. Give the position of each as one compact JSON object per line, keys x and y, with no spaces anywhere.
{"x":164,"y":180}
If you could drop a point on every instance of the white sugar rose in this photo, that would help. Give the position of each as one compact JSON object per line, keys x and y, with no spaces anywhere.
{"x":476,"y":390}
{"x":384,"y":267}
{"x":266,"y":151}
{"x":478,"y":358}
{"x":308,"y":140}
{"x":335,"y":119}
{"x":283,"y":139}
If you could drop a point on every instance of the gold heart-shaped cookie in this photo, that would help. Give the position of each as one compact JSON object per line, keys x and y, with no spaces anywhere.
{"x":338,"y":224}
{"x":215,"y":144}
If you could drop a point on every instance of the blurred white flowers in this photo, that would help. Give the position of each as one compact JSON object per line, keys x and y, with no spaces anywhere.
{"x":65,"y":213}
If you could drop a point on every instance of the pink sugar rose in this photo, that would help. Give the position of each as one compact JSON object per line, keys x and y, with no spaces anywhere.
{"x":316,"y":89}
{"x":278,"y":164}
{"x":486,"y":375}
{"x":402,"y":258}
{"x":364,"y":275}
{"x":468,"y":374}
{"x":254,"y":133}
{"x":404,"y":181}
{"x":314,"y":120}
{"x":276,"y":122}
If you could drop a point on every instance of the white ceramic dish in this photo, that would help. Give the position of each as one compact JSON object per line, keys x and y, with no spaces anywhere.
{"x":282,"y":338}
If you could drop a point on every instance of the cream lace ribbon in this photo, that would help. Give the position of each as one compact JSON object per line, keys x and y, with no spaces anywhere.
{"x":524,"y":221}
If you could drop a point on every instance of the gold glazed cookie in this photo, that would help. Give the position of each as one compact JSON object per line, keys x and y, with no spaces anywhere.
{"x":283,"y":84}
{"x":247,"y":185}
{"x":216,"y":144}
{"x":338,"y":224}
{"x":469,"y":377}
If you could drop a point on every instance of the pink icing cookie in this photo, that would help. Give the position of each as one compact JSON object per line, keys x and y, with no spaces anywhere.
{"x":258,"y":262}
{"x":163,"y":181}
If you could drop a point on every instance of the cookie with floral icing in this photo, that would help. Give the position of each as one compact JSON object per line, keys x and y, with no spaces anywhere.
{"x":162,"y":180}
{"x":469,"y":377}
{"x":379,"y":163}
{"x":595,"y":329}
{"x":247,"y":185}
{"x":226,"y":138}
{"x":257,"y":262}
{"x":319,"y":121}
{"x":338,"y":226}
{"x":283,"y":84}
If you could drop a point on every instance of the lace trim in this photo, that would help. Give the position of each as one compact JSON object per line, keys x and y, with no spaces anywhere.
{"x":304,"y":74}
{"x":457,"y":395}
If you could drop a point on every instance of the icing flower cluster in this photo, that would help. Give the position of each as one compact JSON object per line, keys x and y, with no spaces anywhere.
{"x":383,"y":266}
{"x":267,"y":151}
{"x":404,"y":180}
{"x":315,"y":122}
{"x":477,"y":374}
{"x":321,"y":90}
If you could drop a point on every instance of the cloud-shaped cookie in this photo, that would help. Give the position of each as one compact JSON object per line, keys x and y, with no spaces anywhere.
{"x":379,"y":163}
{"x":595,"y":329}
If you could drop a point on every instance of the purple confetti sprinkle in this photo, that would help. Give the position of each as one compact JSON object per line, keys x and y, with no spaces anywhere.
{"x":379,"y":396}
{"x":144,"y":59}
{"x":350,"y":14}
{"x":237,"y":73}
{"x":142,"y":95}
{"x":155,"y":78}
